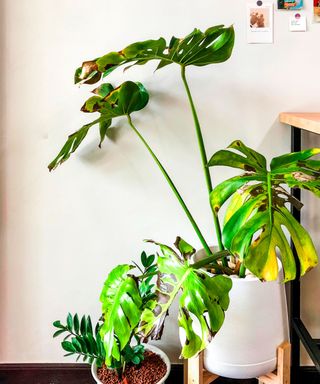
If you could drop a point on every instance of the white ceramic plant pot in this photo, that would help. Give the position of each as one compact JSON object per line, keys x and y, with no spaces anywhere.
{"x":256,"y":323}
{"x":148,"y":347}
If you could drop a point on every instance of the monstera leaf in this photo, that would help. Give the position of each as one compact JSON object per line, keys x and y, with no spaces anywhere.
{"x":198,"y":48}
{"x":257,"y":214}
{"x":110,"y":103}
{"x":121,"y":309}
{"x":202,"y":303}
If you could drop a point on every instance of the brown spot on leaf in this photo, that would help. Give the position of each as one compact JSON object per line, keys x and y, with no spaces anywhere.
{"x":249,"y":168}
{"x":303,"y":177}
{"x":87,"y":68}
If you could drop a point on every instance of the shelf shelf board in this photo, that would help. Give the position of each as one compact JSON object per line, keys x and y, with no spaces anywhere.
{"x":308,"y":121}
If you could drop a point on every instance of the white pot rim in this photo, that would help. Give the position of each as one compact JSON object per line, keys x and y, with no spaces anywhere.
{"x":148,"y":347}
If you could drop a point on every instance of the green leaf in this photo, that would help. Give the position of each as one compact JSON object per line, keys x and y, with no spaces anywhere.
{"x":103,"y":127}
{"x":198,"y":48}
{"x":122,"y":101}
{"x":76,"y":344}
{"x":185,"y":249}
{"x":57,"y":324}
{"x":252,"y":161}
{"x":103,"y":90}
{"x":203,"y":296}
{"x":67,"y":346}
{"x":83,"y":325}
{"x":257,"y":215}
{"x":290,"y":159}
{"x":121,"y":308}
{"x":70,"y":322}
{"x":71,"y":145}
{"x":136,"y":360}
{"x":227,"y":188}
{"x":57,"y":333}
{"x":76,"y":324}
{"x":89,"y":326}
{"x":144,"y":259}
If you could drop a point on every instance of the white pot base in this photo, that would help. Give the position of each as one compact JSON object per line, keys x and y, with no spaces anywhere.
{"x":243,"y":371}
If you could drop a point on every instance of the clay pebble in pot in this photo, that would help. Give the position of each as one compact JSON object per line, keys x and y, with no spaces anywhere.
{"x":155,"y":369}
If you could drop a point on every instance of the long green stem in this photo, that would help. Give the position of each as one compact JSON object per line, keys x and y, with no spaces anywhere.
{"x":207,"y":260}
{"x":270,"y":198}
{"x":242,"y":271}
{"x":174,"y":189}
{"x":204,"y":160}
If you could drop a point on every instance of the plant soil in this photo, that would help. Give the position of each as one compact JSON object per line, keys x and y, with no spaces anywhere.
{"x":150,"y":371}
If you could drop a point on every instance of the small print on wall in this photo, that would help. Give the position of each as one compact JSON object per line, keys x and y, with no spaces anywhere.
{"x":290,"y":4}
{"x":298,"y":22}
{"x":260,"y":22}
{"x":316,"y":10}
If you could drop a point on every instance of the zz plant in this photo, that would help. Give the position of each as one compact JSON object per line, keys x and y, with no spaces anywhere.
{"x":257,"y":218}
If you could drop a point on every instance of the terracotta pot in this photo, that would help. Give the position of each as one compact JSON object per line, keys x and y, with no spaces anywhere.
{"x":148,"y":347}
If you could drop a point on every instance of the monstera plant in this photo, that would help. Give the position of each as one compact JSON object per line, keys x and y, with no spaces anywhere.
{"x":257,"y":221}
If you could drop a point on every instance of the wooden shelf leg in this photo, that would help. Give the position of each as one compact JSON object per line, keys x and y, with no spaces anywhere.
{"x":284,"y":359}
{"x":194,"y":373}
{"x":282,"y":374}
{"x":193,"y":370}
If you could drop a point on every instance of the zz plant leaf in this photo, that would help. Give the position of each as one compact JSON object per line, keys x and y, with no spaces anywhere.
{"x":81,"y":342}
{"x":197,"y":48}
{"x":258,"y":210}
{"x":203,"y":297}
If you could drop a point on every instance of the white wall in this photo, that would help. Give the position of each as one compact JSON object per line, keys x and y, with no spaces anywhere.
{"x":63,"y":232}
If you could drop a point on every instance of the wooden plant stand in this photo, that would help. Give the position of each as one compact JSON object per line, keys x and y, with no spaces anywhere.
{"x":194,"y":373}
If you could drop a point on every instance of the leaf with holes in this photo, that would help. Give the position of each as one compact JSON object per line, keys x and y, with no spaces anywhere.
{"x":203,"y":297}
{"x":121,"y":308}
{"x":257,"y":216}
{"x":198,"y":48}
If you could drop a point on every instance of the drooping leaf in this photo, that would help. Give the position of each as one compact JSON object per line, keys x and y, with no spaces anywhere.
{"x":203,"y":296}
{"x":121,"y":307}
{"x":257,"y":212}
{"x":127,"y":98}
{"x":198,"y":48}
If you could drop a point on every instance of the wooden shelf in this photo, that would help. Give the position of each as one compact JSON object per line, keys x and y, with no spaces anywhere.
{"x":307,"y":121}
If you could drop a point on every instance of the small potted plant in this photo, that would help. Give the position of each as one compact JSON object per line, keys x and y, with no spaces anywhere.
{"x":113,"y":346}
{"x":255,"y":227}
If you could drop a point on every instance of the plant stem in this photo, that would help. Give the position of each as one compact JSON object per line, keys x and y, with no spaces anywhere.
{"x":173,"y":187}
{"x":207,"y":260}
{"x":204,"y":160}
{"x":242,"y":271}
{"x":270,"y":198}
